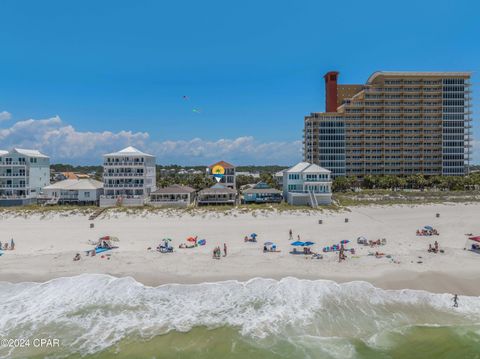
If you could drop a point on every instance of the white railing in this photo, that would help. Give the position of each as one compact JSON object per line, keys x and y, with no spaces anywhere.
{"x":106,"y":174}
{"x":12,"y":163}
{"x":106,"y":185}
{"x":124,"y":163}
{"x":121,"y":197}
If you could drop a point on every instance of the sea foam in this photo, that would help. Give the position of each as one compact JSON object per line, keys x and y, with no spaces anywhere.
{"x":92,"y":312}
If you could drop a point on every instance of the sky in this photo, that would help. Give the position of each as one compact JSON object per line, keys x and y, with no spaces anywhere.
{"x":79,"y":79}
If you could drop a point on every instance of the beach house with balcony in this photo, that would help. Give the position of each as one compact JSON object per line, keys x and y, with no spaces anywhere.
{"x":218,"y":194}
{"x":23,"y":175}
{"x":174,"y":195}
{"x":226,"y":178}
{"x":307,"y":184}
{"x":262,"y":193}
{"x":129,"y":176}
{"x":85,"y":191}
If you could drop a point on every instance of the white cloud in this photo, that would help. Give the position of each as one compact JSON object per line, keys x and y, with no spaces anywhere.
{"x":5,"y":116}
{"x":63,"y":143}
{"x":476,"y":152}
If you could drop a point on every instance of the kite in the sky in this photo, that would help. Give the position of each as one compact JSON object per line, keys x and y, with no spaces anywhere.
{"x":185,"y":97}
{"x":196,"y":110}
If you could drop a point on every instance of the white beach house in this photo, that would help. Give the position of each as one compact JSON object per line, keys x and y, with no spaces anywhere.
{"x":23,"y":175}
{"x":74,"y":191}
{"x":174,"y":195}
{"x":307,"y":184}
{"x":129,"y":176}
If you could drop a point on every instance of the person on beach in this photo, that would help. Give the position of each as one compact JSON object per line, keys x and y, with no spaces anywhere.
{"x":455,"y":301}
{"x":77,"y":257}
{"x":298,"y":238}
{"x":436,"y":246}
{"x":12,"y":244}
{"x":290,"y":233}
{"x":224,"y":249}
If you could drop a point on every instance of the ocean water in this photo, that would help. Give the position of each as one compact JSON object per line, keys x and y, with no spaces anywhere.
{"x":99,"y":316}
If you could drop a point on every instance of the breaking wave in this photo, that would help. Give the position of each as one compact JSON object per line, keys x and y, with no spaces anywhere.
{"x":90,"y":312}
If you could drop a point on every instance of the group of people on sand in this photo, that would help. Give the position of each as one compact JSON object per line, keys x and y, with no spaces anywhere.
{"x":434,"y":249}
{"x":217,"y":252}
{"x":6,"y":247}
{"x":427,"y":232}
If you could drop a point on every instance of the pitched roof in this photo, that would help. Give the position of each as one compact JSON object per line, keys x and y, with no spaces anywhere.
{"x":174,"y":189}
{"x":30,"y":153}
{"x":76,"y":184}
{"x":217,"y":188}
{"x":305,"y":167}
{"x":223,"y":164}
{"x":299,"y":167}
{"x":129,"y":151}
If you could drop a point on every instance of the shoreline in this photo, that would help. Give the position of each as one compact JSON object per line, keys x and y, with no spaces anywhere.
{"x":433,"y":282}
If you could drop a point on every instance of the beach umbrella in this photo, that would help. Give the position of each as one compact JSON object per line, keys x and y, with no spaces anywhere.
{"x":428,"y":228}
{"x":268,"y":243}
{"x":253,"y":235}
{"x":345,"y":241}
{"x":306,"y":244}
{"x":191,"y":239}
{"x":167,"y":239}
{"x":298,"y":244}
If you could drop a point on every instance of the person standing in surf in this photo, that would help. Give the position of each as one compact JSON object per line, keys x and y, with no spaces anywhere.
{"x":455,"y":301}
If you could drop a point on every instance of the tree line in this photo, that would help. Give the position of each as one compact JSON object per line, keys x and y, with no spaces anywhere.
{"x":417,"y":181}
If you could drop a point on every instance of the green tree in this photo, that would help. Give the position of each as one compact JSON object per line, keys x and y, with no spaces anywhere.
{"x":243,"y":180}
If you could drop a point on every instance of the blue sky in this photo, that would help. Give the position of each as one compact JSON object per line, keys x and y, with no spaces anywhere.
{"x":80,"y":78}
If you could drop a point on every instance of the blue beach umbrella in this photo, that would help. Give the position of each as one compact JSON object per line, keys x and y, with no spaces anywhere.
{"x":306,"y":244}
{"x":298,"y":244}
{"x":268,"y":243}
{"x":253,"y":235}
{"x":345,"y":241}
{"x":428,"y":228}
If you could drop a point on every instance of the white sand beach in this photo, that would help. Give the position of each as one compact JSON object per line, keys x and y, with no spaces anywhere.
{"x":46,"y":244}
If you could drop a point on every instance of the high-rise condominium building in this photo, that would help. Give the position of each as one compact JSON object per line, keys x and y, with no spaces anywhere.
{"x":23,"y":175}
{"x":398,"y":123}
{"x":129,"y":176}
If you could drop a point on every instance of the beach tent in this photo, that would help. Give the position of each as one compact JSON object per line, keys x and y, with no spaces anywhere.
{"x":473,"y":243}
